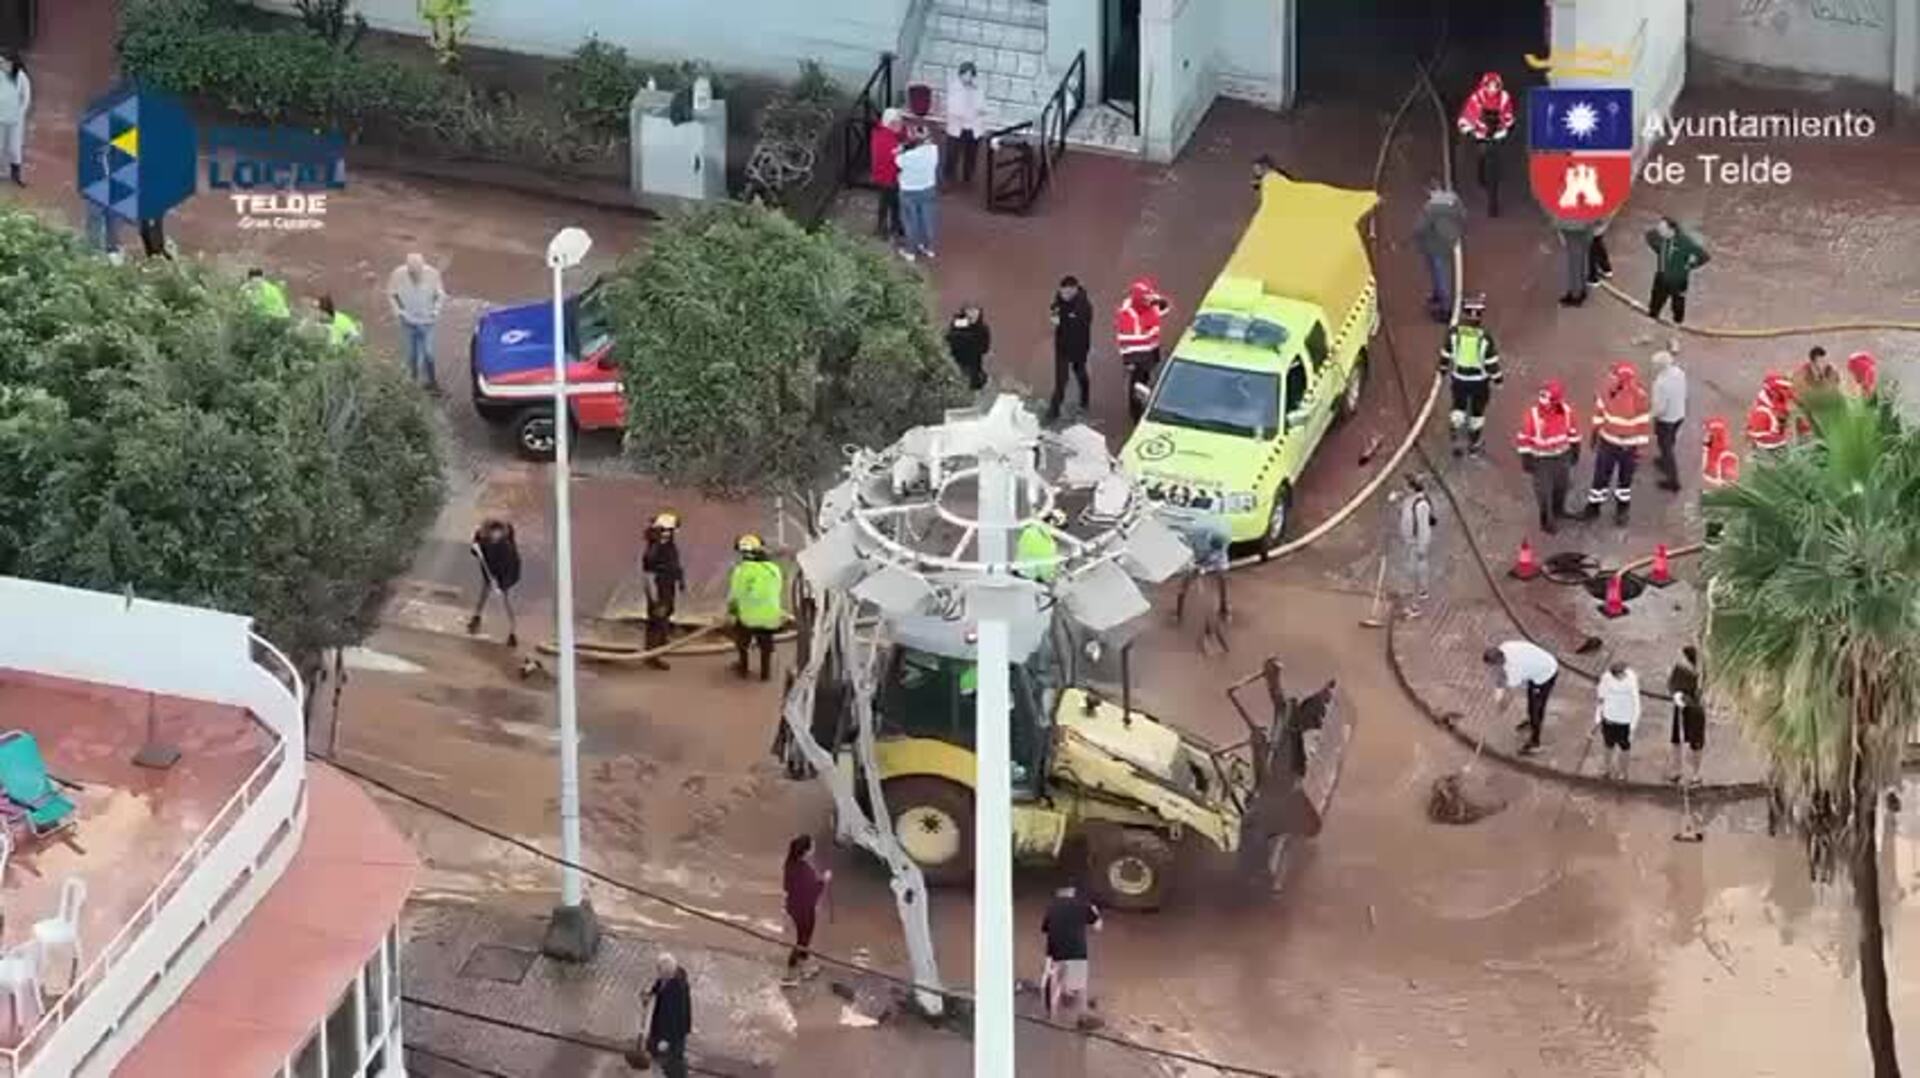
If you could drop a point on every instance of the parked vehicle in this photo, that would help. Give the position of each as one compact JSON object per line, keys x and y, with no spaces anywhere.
{"x":511,"y":358}
{"x":1276,"y":353}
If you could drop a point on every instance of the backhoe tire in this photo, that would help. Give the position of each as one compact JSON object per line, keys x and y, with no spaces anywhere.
{"x":1129,"y":868}
{"x":934,"y":821}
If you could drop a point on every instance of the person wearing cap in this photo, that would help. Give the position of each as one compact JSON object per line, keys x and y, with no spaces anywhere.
{"x":1136,"y":331}
{"x":1471,"y":361}
{"x":754,"y":591}
{"x":1719,"y":466}
{"x":665,"y":579}
{"x":1486,"y":117}
{"x":1622,"y":425}
{"x":1549,"y":447}
{"x":1035,"y":549}
{"x":1669,"y":411}
{"x":883,"y":145}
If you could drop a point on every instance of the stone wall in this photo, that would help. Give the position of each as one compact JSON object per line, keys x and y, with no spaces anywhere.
{"x":1873,"y":42}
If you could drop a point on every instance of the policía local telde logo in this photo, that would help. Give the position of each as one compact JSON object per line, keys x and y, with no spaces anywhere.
{"x":140,"y":157}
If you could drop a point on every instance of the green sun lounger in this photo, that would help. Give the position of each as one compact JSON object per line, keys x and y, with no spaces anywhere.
{"x":24,"y":778}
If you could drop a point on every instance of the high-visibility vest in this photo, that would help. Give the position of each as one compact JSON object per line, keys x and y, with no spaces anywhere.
{"x":970,"y":679}
{"x":1036,"y":544}
{"x":1766,"y":428}
{"x":1719,"y":469}
{"x":1136,"y":328}
{"x":269,"y":298}
{"x":1468,"y":354}
{"x":753,"y":590}
{"x":1626,"y":417}
{"x":343,"y":329}
{"x":1546,"y":432}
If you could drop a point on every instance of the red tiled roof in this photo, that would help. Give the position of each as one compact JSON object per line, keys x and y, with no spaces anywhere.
{"x":276,"y":980}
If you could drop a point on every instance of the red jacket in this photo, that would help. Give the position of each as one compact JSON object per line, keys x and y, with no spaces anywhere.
{"x":1863,"y":374}
{"x":1767,"y":419}
{"x":1136,"y":323}
{"x":881,"y":146}
{"x":1549,"y":426}
{"x":1488,"y":96}
{"x":1719,"y":464}
{"x":1623,"y":415}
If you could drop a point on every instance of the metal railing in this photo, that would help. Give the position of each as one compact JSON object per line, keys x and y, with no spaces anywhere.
{"x":271,"y":779}
{"x":1022,"y":157}
{"x":856,"y":152}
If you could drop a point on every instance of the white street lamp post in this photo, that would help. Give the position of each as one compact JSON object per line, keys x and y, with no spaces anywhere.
{"x":993,"y":1053}
{"x":573,"y":933}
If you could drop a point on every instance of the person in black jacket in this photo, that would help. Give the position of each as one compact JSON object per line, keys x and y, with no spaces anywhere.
{"x":1689,"y":715}
{"x":671,"y":1022}
{"x":968,"y":338}
{"x":498,"y":553}
{"x":665,"y":580}
{"x":1072,"y":316}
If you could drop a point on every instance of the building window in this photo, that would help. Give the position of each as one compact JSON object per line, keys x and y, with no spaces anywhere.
{"x":307,"y":1063}
{"x":343,"y":1040}
{"x":377,"y":996}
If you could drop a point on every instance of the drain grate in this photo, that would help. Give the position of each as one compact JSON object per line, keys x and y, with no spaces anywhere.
{"x":491,"y":962}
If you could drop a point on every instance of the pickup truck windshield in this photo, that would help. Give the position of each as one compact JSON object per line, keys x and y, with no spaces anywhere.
{"x":1218,"y":399}
{"x":588,"y":326}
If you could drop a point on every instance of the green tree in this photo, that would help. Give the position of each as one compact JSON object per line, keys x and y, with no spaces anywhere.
{"x":157,"y":434}
{"x":1814,"y":618}
{"x":755,"y":351}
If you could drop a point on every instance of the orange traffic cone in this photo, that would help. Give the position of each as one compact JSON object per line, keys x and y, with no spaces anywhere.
{"x":1615,"y":606}
{"x":1524,"y":567}
{"x":1662,"y":574}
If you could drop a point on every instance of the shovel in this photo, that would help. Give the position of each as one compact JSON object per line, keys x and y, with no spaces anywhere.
{"x":1373,"y":620}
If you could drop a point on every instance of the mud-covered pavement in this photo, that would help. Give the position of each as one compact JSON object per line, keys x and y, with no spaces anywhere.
{"x":1512,"y":947}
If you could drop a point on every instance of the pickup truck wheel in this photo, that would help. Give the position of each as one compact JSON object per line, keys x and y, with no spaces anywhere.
{"x":933,"y":819}
{"x":1277,"y":521}
{"x":533,"y":433}
{"x":1129,"y":868}
{"x":1356,"y":381}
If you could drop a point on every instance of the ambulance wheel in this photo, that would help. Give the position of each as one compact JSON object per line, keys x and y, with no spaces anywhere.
{"x":1129,"y":868}
{"x":1356,"y":381}
{"x":933,"y":819}
{"x":533,"y":434}
{"x":1277,"y":521}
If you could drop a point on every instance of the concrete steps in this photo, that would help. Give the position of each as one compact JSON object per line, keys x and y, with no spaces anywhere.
{"x":1007,"y":42}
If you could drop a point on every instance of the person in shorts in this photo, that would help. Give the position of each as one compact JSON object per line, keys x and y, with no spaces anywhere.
{"x":1616,"y":711}
{"x":1689,"y":716}
{"x":1065,"y":927}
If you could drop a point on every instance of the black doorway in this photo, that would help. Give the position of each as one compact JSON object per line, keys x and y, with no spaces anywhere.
{"x":1120,"y":58}
{"x":1364,"y":50}
{"x":17,"y":19}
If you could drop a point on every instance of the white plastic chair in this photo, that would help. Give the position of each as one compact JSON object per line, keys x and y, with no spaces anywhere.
{"x":58,"y":938}
{"x":20,"y":989}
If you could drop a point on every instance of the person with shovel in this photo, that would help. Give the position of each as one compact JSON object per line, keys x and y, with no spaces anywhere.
{"x":804,"y":884}
{"x":1689,"y":716}
{"x":1616,"y":711}
{"x":498,"y":553}
{"x":1522,"y":662}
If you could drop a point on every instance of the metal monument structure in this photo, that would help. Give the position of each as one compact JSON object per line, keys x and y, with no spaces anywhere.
{"x":916,"y":545}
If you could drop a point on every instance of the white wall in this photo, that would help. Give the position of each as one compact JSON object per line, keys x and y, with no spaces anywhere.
{"x":1653,"y":32}
{"x":1179,"y":43}
{"x":1849,"y":39}
{"x":1252,"y":60}
{"x":769,"y":36}
{"x":1071,"y":27}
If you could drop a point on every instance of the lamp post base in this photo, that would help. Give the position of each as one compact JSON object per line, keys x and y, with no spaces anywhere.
{"x":573,"y":934}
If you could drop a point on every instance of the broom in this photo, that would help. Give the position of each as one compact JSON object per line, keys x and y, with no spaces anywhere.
{"x":1689,"y":832}
{"x":1373,"y":619}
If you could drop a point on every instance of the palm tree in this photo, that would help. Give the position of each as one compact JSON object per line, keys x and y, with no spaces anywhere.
{"x":1813,"y":636}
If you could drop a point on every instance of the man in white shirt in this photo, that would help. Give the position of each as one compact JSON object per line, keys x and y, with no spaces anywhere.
{"x":966,"y":107}
{"x":417,"y":296}
{"x":1669,"y":411}
{"x":1616,"y":710}
{"x":1518,"y":663}
{"x":919,"y":192}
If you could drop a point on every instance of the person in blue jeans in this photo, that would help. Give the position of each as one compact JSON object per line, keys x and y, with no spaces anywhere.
{"x":418,"y":296}
{"x":919,"y":192}
{"x":1442,"y":220}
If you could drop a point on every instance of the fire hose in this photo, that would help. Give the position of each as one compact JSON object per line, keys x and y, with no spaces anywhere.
{"x":1853,"y":326}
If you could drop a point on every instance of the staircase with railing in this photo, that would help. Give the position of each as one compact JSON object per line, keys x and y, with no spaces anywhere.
{"x":1021,"y":158}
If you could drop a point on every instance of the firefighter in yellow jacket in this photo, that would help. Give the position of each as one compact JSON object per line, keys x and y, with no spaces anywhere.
{"x":754,"y":591}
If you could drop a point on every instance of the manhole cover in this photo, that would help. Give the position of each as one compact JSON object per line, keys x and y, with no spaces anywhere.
{"x":1631,"y":585}
{"x":489,"y":962}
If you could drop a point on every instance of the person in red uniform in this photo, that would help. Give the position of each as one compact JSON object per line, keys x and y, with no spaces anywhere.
{"x":1486,"y":117}
{"x":1719,"y":465}
{"x":1863,"y":374}
{"x":1622,"y":424}
{"x":1549,"y":446}
{"x":1767,"y":420}
{"x":1136,"y":330}
{"x":883,"y":145}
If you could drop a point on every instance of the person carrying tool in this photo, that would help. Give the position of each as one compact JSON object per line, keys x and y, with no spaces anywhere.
{"x":1486,"y":117}
{"x":1472,"y":362}
{"x":1689,"y":716}
{"x":498,"y":553}
{"x":753,"y":603}
{"x":1616,"y":710}
{"x":1136,"y":330}
{"x":1522,"y":662}
{"x":665,"y":579}
{"x":1035,"y":549}
{"x":1719,"y":466}
{"x":1549,"y":448}
{"x":1768,"y":421}
{"x":1622,"y":423}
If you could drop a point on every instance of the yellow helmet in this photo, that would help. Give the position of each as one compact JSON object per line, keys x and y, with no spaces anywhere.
{"x":667,"y":520}
{"x":1056,"y":517}
{"x":749,"y":543}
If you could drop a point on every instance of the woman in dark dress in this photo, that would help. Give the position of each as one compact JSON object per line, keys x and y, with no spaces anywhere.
{"x":804,"y":885}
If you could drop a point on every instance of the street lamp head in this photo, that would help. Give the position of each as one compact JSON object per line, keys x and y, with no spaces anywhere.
{"x":568,"y":248}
